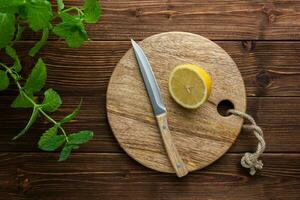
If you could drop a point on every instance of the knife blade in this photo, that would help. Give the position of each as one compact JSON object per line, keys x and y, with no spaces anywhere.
{"x":159,"y":109}
{"x":149,"y":80}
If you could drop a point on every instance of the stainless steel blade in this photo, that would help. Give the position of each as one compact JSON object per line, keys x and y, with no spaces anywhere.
{"x":149,"y":80}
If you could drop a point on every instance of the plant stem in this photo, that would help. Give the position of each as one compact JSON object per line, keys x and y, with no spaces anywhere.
{"x":48,"y":117}
{"x":3,"y":65}
{"x":79,"y":11}
{"x":73,"y":8}
{"x":54,"y":122}
{"x":20,"y":30}
{"x":35,"y":105}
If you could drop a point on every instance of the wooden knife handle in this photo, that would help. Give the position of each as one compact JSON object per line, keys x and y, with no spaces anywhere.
{"x":170,"y":147}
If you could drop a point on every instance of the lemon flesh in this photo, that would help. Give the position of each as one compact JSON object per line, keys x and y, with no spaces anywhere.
{"x":189,"y":85}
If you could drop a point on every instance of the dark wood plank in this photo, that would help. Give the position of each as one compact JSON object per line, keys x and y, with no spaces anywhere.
{"x":268,"y":68}
{"x":279,"y":118}
{"x":218,"y":20}
{"x":100,"y":169}
{"x":116,"y":176}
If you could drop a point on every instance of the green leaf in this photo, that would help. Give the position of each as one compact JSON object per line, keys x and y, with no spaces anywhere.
{"x":72,"y":30}
{"x":40,"y":43}
{"x":36,"y":80}
{"x":65,"y":153}
{"x":22,"y":102}
{"x":72,"y":115}
{"x":13,"y":54}
{"x":50,"y":141}
{"x":38,"y":13}
{"x":10,"y":3}
{"x":51,"y":132}
{"x":73,"y":35}
{"x":4,"y":80}
{"x":53,"y":143}
{"x":52,"y":101}
{"x":7,"y":28}
{"x":32,"y":119}
{"x":80,"y":137}
{"x":92,"y":11}
{"x":60,"y":4}
{"x":22,"y":11}
{"x":71,"y":19}
{"x":76,"y":39}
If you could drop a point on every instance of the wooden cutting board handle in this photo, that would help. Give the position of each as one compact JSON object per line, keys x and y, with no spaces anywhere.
{"x":171,"y":149}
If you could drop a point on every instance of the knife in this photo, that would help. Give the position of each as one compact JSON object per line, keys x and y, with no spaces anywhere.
{"x":159,"y":110}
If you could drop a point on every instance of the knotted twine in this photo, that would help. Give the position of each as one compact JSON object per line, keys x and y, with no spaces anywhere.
{"x":250,"y":160}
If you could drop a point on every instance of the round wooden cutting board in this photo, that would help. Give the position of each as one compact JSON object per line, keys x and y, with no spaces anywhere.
{"x":201,"y":136}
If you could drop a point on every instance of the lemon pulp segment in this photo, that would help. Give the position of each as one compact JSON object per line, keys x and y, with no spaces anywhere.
{"x":189,"y":85}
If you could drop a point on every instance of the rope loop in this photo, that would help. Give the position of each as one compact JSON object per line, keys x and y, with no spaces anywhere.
{"x":250,"y":160}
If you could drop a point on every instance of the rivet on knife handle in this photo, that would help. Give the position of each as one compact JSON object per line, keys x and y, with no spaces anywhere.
{"x":170,"y":147}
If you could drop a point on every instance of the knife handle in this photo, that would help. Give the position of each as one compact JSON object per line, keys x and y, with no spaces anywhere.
{"x":176,"y":161}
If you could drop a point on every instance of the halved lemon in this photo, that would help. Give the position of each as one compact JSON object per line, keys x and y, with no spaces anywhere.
{"x":190,"y":85}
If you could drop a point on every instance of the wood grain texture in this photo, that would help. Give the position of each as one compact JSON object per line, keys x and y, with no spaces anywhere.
{"x":220,"y":20}
{"x":278,"y":116}
{"x":268,"y":68}
{"x":116,"y":176}
{"x":202,"y":135}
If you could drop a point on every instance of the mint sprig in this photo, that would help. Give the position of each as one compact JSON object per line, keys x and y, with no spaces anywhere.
{"x":39,"y":16}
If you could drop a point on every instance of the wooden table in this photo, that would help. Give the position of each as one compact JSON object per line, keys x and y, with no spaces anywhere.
{"x":263,"y":38}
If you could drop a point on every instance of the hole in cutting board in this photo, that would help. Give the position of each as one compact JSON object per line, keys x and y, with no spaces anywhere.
{"x":224,"y":106}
